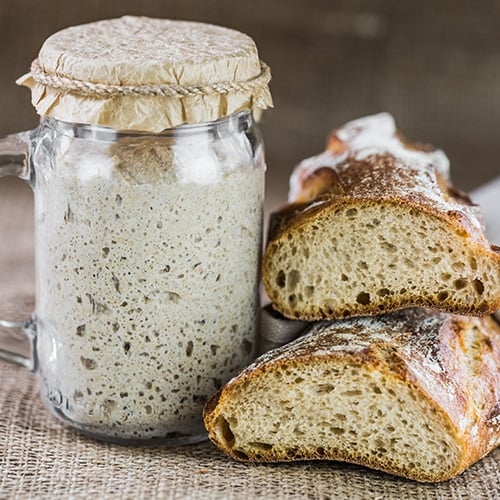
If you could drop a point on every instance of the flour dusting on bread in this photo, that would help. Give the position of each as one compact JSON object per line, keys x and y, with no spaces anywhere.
{"x":358,"y":139}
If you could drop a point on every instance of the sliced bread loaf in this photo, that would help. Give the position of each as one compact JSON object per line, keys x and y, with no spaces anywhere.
{"x":414,"y":393}
{"x":375,"y":225}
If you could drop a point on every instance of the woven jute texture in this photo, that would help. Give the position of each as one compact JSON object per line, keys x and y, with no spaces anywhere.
{"x":41,"y":458}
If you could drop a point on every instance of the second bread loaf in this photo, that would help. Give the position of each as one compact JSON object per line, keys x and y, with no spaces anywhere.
{"x":415,"y":393}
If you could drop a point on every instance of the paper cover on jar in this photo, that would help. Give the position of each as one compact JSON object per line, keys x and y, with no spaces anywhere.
{"x":136,"y":73}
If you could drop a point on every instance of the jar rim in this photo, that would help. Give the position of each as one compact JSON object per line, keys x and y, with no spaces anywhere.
{"x":236,"y":122}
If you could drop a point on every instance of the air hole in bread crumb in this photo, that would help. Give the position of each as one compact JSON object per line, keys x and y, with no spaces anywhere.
{"x":325,"y":388}
{"x":337,"y":430}
{"x":261,"y":446}
{"x":240,"y":454}
{"x":383,"y":292}
{"x":473,"y":263}
{"x":352,"y":212}
{"x":292,"y":300}
{"x":478,"y":286}
{"x":459,"y":284}
{"x":343,"y":277}
{"x":483,"y":307}
{"x":281,"y":279}
{"x":293,"y":279}
{"x":223,"y":429}
{"x":352,"y":392}
{"x":308,"y":291}
{"x":442,"y":296}
{"x":389,"y":247}
{"x":445,"y":276}
{"x":363,"y":298}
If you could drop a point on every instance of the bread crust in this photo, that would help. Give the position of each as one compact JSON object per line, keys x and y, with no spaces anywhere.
{"x":382,"y":177}
{"x":450,"y":361}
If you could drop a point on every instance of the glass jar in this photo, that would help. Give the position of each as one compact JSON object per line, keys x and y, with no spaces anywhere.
{"x":147,"y":258}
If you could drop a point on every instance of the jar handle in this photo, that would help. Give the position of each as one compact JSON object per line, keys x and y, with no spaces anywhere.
{"x":14,"y":161}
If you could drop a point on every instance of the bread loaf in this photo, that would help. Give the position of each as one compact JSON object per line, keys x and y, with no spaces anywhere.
{"x":414,"y":393}
{"x":375,"y":225}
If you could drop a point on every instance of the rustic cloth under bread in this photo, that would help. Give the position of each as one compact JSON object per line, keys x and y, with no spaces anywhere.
{"x":42,"y":459}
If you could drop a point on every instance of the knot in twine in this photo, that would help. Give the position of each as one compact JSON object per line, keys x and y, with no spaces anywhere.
{"x":159,"y":89}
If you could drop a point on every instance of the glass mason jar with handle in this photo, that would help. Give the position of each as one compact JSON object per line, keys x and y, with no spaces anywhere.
{"x":148,"y":231}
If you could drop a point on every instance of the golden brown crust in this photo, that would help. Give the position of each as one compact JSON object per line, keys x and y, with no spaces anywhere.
{"x":361,"y":163}
{"x":380,"y":178}
{"x":451,"y":361}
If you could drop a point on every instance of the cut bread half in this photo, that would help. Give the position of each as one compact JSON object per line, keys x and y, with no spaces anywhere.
{"x":378,"y":229}
{"x":414,"y":393}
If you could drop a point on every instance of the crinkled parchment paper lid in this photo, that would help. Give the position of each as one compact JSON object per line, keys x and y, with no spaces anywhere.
{"x":137,"y":73}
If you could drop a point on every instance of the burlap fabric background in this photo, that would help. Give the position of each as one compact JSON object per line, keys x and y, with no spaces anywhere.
{"x":41,"y":458}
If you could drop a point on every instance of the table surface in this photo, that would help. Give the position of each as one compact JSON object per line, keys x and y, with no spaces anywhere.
{"x":42,"y":458}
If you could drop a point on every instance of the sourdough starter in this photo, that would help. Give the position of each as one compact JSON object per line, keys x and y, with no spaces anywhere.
{"x":147,"y":272}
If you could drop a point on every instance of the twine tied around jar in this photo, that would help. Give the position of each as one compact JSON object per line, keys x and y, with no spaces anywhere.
{"x":164,"y":90}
